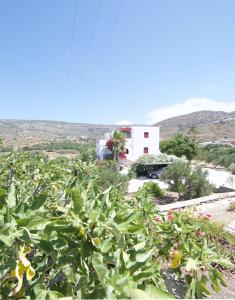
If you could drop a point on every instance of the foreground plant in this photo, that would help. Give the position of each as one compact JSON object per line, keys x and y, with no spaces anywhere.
{"x":183,"y":243}
{"x":61,"y":235}
{"x":92,"y":244}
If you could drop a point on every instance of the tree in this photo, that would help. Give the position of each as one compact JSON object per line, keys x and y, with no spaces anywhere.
{"x":187,"y":182}
{"x":193,"y":133}
{"x":179,"y":145}
{"x":116,"y":144}
{"x":175,"y":175}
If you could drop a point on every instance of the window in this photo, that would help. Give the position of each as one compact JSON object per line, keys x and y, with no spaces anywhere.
{"x":146,"y":135}
{"x":146,"y":150}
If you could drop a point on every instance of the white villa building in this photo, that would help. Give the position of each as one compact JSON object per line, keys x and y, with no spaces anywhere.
{"x":140,"y":140}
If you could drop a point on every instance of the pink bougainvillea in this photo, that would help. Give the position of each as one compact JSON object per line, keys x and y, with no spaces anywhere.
{"x":122,"y":155}
{"x":109,"y":144}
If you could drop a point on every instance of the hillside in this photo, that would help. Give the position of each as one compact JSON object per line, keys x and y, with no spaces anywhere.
{"x":211,"y":125}
{"x":28,"y":132}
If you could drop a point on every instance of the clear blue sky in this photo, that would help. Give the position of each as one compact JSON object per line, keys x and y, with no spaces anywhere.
{"x":148,"y":55}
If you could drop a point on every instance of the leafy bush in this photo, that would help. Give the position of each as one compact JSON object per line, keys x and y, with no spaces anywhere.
{"x":179,"y":145}
{"x":62,"y":235}
{"x":214,"y":232}
{"x":152,"y":188}
{"x":182,"y":242}
{"x":197,"y":184}
{"x":108,"y":175}
{"x":221,"y":155}
{"x":131,"y":174}
{"x":187,"y":182}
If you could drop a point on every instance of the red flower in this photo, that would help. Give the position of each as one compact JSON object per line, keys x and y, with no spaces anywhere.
{"x":122,"y":155}
{"x":207,"y":217}
{"x":170,"y":216}
{"x":109,"y":144}
{"x":198,"y":233}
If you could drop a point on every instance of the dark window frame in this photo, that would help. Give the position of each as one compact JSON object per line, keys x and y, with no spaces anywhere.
{"x":146,"y":150}
{"x":146,"y":134}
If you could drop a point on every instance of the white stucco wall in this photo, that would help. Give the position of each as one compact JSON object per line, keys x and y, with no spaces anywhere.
{"x":139,"y":141}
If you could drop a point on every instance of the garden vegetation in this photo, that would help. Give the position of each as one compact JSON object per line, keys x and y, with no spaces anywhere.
{"x":219,"y":155}
{"x":188,"y":182}
{"x":64,"y":234}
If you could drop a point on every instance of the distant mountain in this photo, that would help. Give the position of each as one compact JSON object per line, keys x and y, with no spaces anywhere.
{"x":27,"y":132}
{"x":211,"y":125}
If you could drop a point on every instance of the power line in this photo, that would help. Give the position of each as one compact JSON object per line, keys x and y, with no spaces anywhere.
{"x":90,"y":42}
{"x":72,"y":44}
{"x":107,"y":41}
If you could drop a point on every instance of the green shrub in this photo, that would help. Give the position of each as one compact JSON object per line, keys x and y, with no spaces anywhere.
{"x":109,"y":176}
{"x":221,"y":155}
{"x":152,"y":188}
{"x":179,"y":145}
{"x":131,"y":174}
{"x":187,"y":182}
{"x":197,"y":185}
{"x":62,"y":236}
{"x":175,"y":175}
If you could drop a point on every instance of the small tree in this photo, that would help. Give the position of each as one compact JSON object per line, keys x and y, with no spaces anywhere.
{"x":116,"y":144}
{"x":175,"y":175}
{"x":180,"y":145}
{"x":197,"y":184}
{"x":193,"y":133}
{"x":187,"y":182}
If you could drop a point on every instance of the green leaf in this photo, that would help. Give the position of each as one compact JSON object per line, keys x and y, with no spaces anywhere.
{"x":157,"y":293}
{"x":6,"y":239}
{"x":201,"y":289}
{"x":224,"y":263}
{"x":106,"y":246}
{"x":151,"y":292}
{"x":11,"y":199}
{"x":139,"y":246}
{"x":42,"y":295}
{"x":77,"y":199}
{"x":38,"y":223}
{"x":142,"y":257}
{"x":53,"y":295}
{"x":138,"y":294}
{"x":98,"y":264}
{"x":46,"y":246}
{"x":38,"y":201}
{"x":219,"y":276}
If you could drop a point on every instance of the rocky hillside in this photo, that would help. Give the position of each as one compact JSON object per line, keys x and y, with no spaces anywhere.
{"x":211,"y":125}
{"x":25,"y":132}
